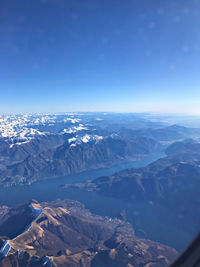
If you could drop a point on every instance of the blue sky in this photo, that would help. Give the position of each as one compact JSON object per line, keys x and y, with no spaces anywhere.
{"x":100,"y":55}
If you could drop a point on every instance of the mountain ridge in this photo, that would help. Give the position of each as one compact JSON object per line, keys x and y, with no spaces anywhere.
{"x":65,"y":233}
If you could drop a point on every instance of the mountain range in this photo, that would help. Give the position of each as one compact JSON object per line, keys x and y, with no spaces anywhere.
{"x":158,"y":202}
{"x":168,"y":188}
{"x":79,"y":147}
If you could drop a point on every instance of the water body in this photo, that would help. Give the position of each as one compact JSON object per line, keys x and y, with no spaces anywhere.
{"x":143,"y":216}
{"x":48,"y":190}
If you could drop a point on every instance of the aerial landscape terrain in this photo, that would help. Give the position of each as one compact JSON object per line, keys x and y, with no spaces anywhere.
{"x":137,"y":176}
{"x":99,"y":133}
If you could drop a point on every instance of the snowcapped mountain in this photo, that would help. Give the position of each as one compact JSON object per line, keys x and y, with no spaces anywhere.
{"x":34,"y":146}
{"x":25,"y":127}
{"x":21,"y":128}
{"x":84,"y":139}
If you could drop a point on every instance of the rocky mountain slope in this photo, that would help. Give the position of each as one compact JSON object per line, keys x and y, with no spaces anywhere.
{"x":40,"y":146}
{"x":180,"y":169}
{"x":67,"y":159}
{"x":63,"y":233}
{"x":167,"y":189}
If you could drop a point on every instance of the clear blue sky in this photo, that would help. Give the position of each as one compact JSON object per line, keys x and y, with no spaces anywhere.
{"x":100,"y":55}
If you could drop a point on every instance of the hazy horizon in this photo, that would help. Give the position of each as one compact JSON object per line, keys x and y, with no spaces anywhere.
{"x":78,"y":112}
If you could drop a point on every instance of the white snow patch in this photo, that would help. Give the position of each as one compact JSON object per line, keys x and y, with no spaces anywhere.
{"x":18,"y":144}
{"x":84,"y":139}
{"x":73,"y":139}
{"x":72,"y":120}
{"x":47,"y":261}
{"x":72,"y":145}
{"x":5,"y":249}
{"x":75,"y":129}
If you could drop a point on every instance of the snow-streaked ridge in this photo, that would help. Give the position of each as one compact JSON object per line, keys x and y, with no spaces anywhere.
{"x":5,"y":249}
{"x":84,"y":139}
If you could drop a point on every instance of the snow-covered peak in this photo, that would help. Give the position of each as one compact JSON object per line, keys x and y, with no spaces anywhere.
{"x":5,"y":249}
{"x":23,"y":127}
{"x":70,"y":140}
{"x":84,"y":139}
{"x":72,"y":120}
{"x":75,"y":129}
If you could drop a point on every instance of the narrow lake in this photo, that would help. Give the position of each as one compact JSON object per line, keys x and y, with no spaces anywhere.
{"x":48,"y":190}
{"x":137,"y":213}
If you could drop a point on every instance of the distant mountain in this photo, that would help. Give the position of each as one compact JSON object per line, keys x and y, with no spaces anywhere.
{"x":71,"y":158}
{"x":156,"y":181}
{"x":63,"y":233}
{"x":16,"y":152}
{"x":187,"y":147}
{"x":24,"y":127}
{"x":41,"y":146}
{"x":166,"y":134}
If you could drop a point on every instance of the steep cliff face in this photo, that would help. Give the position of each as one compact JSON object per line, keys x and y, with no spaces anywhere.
{"x":65,"y":234}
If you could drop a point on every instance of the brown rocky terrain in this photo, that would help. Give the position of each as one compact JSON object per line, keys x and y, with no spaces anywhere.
{"x":64,"y":233}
